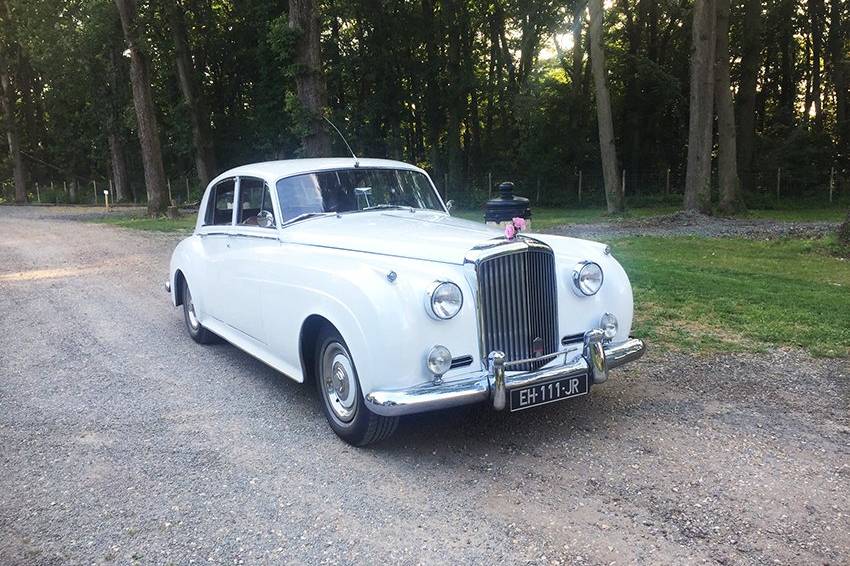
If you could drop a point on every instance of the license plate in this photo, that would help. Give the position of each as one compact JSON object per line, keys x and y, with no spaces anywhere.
{"x":548,"y":392}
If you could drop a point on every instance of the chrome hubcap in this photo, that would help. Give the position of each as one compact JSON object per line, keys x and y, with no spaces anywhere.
{"x":338,"y":382}
{"x":190,"y":311}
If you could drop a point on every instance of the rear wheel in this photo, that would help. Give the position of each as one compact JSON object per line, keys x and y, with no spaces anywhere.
{"x":198,"y":333}
{"x":342,"y":399}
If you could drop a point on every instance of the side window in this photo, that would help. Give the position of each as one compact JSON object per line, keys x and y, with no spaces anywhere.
{"x":254,"y":197}
{"x":220,"y":206}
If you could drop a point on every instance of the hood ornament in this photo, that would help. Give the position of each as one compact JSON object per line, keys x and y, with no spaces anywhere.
{"x":513,"y":227}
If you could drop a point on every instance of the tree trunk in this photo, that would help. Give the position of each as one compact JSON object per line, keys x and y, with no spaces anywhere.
{"x":787,"y":48}
{"x":145,"y":111}
{"x":816,"y":14}
{"x":115,"y":134}
{"x":607,"y":148}
{"x":700,"y":126}
{"x":195,"y":103}
{"x":844,"y":231}
{"x":840,"y":68}
{"x":7,"y":97}
{"x":309,"y":80}
{"x":727,"y":168}
{"x":120,"y":172}
{"x":576,"y":73}
{"x":745,"y":103}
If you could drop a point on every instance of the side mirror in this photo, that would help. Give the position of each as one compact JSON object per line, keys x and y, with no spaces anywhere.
{"x":450,"y":205}
{"x":265,"y":219}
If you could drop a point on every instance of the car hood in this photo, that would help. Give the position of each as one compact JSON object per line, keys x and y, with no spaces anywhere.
{"x":426,"y":235}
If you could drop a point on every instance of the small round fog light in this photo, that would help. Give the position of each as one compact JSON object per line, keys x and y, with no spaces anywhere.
{"x":608,"y":324}
{"x":439,"y":360}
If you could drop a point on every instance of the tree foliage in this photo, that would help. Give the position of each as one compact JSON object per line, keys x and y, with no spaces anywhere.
{"x":476,"y":92}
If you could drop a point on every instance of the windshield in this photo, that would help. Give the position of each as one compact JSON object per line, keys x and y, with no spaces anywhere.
{"x":351,"y":190}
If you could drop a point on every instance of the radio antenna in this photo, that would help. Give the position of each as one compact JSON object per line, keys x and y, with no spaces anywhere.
{"x":351,"y":151}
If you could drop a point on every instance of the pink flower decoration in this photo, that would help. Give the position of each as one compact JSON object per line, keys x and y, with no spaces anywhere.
{"x":510,"y":231}
{"x":519,"y":223}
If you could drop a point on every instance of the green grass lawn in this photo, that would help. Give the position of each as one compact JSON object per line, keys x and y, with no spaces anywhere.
{"x":708,"y":294}
{"x":183,"y":224}
{"x":729,"y":294}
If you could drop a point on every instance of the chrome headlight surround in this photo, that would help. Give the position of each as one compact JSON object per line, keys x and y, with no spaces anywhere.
{"x":444,"y":300}
{"x":587,"y":278}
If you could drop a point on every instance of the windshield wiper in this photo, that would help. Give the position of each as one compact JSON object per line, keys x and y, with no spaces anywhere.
{"x":385,"y":207}
{"x":307,"y":215}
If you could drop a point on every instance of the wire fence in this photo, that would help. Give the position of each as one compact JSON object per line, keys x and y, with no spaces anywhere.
{"x":577,"y":188}
{"x":181,"y":190}
{"x":570,"y":188}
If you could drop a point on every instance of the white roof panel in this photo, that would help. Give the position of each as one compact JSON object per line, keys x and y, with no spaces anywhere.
{"x":271,"y":171}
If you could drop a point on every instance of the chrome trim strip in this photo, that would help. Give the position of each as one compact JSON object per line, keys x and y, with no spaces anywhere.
{"x":273,"y":236}
{"x":483,"y":386}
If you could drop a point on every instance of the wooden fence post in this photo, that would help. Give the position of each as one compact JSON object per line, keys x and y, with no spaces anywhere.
{"x":831,"y":182}
{"x":168,"y":182}
{"x":579,"y":186}
{"x":187,"y":190}
{"x":778,"y":181}
{"x":623,"y":190}
{"x":667,"y":185}
{"x":489,"y":185}
{"x":94,"y":183}
{"x":37,"y":193}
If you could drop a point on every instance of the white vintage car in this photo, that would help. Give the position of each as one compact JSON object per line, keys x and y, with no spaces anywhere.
{"x":354,"y":274}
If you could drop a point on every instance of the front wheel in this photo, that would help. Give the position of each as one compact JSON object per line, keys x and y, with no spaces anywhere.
{"x":342,"y":399}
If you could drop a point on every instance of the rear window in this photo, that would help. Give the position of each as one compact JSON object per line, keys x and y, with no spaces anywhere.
{"x":220,"y":206}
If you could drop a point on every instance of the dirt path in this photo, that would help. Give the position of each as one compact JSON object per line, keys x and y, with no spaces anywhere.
{"x":122,"y":440}
{"x":694,"y":224}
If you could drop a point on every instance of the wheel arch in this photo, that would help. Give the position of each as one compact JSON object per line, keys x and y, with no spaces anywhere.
{"x":179,"y":279}
{"x":307,"y":339}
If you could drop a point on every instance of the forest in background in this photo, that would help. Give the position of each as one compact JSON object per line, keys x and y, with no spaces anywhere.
{"x":474,"y":92}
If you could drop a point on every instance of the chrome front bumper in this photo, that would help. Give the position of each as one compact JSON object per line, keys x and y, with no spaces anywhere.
{"x":595,"y":359}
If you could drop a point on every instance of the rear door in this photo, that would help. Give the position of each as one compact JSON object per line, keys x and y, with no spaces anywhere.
{"x":216,"y":234}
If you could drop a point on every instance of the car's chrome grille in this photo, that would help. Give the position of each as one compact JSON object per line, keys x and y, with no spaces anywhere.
{"x":519,"y":305}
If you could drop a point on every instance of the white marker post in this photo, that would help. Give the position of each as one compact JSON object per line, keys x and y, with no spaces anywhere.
{"x":106,"y":199}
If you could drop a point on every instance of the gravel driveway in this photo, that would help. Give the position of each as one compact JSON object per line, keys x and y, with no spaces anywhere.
{"x":121,"y":440}
{"x":695,"y":224}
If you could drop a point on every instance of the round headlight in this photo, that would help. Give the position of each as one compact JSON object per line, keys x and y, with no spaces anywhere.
{"x":445,"y":300}
{"x":587,"y":277}
{"x":439,"y":360}
{"x":609,"y":325}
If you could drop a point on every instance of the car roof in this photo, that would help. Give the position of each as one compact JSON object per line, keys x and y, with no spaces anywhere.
{"x":271,"y":171}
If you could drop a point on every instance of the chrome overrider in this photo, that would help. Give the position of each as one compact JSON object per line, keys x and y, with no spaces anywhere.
{"x":595,"y":358}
